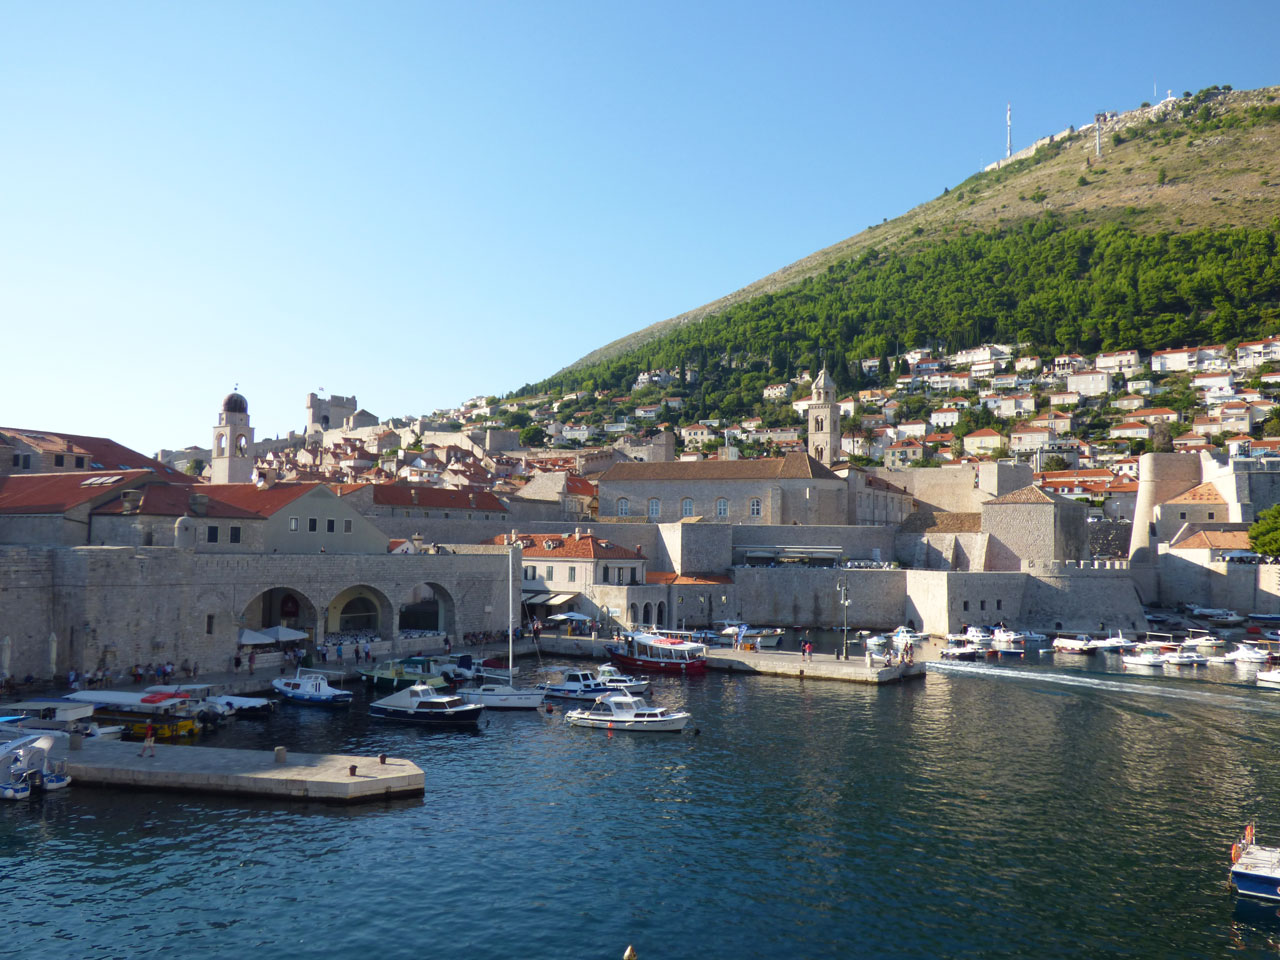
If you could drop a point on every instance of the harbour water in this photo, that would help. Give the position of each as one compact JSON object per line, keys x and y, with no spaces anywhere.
{"x":1044,"y":811}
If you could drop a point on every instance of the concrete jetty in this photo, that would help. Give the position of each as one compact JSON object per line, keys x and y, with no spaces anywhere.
{"x":777,"y":663}
{"x":326,"y":778}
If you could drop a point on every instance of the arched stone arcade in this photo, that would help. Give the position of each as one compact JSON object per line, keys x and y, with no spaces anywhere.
{"x":428,"y":606}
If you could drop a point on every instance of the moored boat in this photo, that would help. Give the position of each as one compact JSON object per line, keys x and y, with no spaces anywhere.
{"x":1081,"y":643}
{"x":614,"y":678}
{"x":646,"y":651}
{"x":1143,"y":658}
{"x":576,"y":685}
{"x":404,"y":672}
{"x":622,"y":711}
{"x":311,"y":687}
{"x":57,"y":717}
{"x":25,"y":767}
{"x":422,"y":703}
{"x":171,"y":714}
{"x":1255,"y":869}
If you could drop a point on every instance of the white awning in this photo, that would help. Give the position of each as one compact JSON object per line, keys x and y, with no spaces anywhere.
{"x":560,"y":598}
{"x":251,"y":638}
{"x":536,"y":597}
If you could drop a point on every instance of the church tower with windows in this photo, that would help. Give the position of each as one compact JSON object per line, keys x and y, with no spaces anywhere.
{"x":232,"y":459}
{"x":824,"y":421}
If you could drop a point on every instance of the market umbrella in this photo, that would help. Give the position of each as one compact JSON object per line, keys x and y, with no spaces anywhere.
{"x":568,"y":616}
{"x":282,"y":634}
{"x":252,"y":638}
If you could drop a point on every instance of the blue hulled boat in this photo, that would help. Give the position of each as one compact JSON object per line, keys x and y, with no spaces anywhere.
{"x":1255,"y":870}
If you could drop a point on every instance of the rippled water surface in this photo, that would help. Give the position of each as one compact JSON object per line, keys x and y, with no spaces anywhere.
{"x":1044,"y":812}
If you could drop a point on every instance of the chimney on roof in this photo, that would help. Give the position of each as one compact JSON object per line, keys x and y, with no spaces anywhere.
{"x":417,"y":542}
{"x":131,"y":501}
{"x":199,"y":504}
{"x":577,"y":533}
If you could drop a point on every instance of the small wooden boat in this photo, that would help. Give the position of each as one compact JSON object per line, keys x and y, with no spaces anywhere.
{"x":311,"y":687}
{"x":621,"y":711}
{"x":1255,"y":869}
{"x":424,"y":704}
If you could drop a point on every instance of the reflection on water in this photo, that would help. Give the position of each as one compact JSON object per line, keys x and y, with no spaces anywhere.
{"x":1059,"y":815}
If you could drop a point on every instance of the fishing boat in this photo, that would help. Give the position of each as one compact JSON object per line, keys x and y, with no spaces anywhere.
{"x":622,"y":711}
{"x":57,"y":717}
{"x":615,"y":679}
{"x":967,"y":652}
{"x":1113,"y":643}
{"x":646,"y":651}
{"x":1203,"y":638}
{"x":576,"y":685}
{"x":1185,"y":658}
{"x":311,"y":687}
{"x":1226,"y":618}
{"x":1255,"y":869}
{"x":25,"y":767}
{"x":1263,"y":617}
{"x":404,"y":672}
{"x":172,"y":715}
{"x":1081,"y":643}
{"x":423,"y":703}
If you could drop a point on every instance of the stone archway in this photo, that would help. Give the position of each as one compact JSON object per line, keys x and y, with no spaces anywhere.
{"x":428,"y":606}
{"x":359,"y":611}
{"x":635,"y":616}
{"x":280,"y":607}
{"x":648,"y":613}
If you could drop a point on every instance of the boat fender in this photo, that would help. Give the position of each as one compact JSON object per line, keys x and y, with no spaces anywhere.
{"x":1248,"y":834}
{"x":1235,"y":853}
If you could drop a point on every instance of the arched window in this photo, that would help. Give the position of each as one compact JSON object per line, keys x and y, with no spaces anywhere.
{"x":624,"y":507}
{"x":686,"y":507}
{"x":817,"y":452}
{"x":755,"y":506}
{"x":722,"y":508}
{"x":219,"y":445}
{"x":242,"y":446}
{"x":817,"y":425}
{"x":655,"y":506}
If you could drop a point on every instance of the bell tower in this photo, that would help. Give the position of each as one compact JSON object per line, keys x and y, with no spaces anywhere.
{"x":232,"y":459}
{"x":824,"y":421}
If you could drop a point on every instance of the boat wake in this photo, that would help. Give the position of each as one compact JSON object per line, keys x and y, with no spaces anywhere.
{"x":1138,"y":687}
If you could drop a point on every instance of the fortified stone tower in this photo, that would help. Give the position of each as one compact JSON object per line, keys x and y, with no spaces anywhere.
{"x":824,"y":421}
{"x":232,"y":458}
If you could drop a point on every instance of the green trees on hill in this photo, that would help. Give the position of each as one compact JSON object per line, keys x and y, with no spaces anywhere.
{"x":1047,"y":284}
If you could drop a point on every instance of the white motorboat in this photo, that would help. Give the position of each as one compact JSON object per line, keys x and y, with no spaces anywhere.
{"x":57,"y":717}
{"x":1185,"y":658}
{"x":614,"y":678}
{"x":1246,"y":652}
{"x":312,"y":687}
{"x":901,"y":636}
{"x":205,"y":706}
{"x":25,"y":767}
{"x":622,"y":711}
{"x":1143,"y":658}
{"x":576,"y":685}
{"x":967,"y":651}
{"x":1268,"y":677}
{"x":423,"y":703}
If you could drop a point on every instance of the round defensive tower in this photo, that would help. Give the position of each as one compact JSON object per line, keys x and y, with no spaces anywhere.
{"x":1161,"y":477}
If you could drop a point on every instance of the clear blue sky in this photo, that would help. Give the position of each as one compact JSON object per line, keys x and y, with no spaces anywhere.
{"x":416,"y":202}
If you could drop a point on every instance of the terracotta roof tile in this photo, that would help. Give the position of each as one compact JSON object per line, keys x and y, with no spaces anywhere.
{"x":793,"y":466}
{"x":1204,"y":493}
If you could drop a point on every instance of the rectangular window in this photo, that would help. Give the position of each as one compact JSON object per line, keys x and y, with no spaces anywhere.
{"x":293,"y":524}
{"x":573,"y":574}
{"x":1183,"y":515}
{"x":17,"y":459}
{"x":208,"y":623}
{"x":59,"y":460}
{"x":982,"y":604}
{"x":999,"y":604}
{"x":966,"y":606}
{"x":212,"y":533}
{"x":1210,"y":514}
{"x":633,"y":574}
{"x":346,"y":526}
{"x":548,"y":577}
{"x":235,"y":535}
{"x":26,"y":461}
{"x":79,"y":463}
{"x":331,"y":525}
{"x":312,"y":525}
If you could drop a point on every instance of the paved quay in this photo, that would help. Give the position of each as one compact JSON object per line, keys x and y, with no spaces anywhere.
{"x":324,"y":778}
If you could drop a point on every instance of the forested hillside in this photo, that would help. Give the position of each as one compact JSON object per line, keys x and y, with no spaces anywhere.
{"x":1170,"y":239}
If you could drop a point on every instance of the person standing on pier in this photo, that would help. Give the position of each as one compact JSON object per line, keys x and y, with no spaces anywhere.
{"x":148,"y":740}
{"x":253,"y":659}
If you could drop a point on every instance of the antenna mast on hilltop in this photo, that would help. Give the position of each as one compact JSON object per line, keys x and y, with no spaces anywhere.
{"x":1008,"y":130}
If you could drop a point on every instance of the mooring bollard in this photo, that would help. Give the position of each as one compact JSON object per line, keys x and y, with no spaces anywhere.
{"x":351,"y":770}
{"x":281,"y":755}
{"x":382,"y":759}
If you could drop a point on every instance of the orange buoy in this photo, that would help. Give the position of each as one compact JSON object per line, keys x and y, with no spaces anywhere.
{"x":1235,"y":853}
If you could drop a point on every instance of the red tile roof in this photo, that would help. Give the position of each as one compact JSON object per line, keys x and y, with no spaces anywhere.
{"x":103,"y":454}
{"x":417,"y":495}
{"x":550,"y":546}
{"x":174,"y":500}
{"x":48,"y":493}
